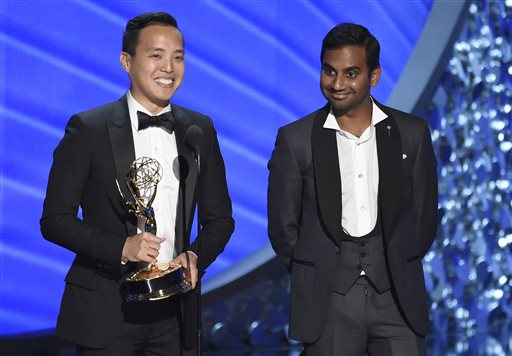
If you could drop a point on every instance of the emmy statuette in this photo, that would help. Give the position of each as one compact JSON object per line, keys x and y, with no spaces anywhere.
{"x":153,"y":281}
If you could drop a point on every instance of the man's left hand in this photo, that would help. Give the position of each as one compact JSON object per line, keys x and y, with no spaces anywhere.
{"x":188,"y":261}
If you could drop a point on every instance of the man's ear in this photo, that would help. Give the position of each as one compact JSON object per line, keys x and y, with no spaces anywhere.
{"x":375,"y":76}
{"x":125,"y":59}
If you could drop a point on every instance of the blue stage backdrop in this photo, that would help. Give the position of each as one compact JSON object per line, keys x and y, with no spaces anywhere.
{"x":253,"y":66}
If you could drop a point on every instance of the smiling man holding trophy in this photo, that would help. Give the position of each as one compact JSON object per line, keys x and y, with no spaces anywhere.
{"x":132,"y":167}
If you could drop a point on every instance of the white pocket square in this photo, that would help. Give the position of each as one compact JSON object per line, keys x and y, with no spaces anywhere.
{"x":404,"y":156}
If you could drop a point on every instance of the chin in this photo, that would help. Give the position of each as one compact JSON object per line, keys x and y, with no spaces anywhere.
{"x":168,"y":94}
{"x":165,"y":98}
{"x":339,"y":107}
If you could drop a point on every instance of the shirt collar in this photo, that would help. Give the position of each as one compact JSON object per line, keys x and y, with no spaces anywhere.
{"x":377,"y":116}
{"x":134,"y":106}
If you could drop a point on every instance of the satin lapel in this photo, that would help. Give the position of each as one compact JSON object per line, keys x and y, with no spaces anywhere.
{"x":121,"y":143}
{"x":391,"y":176}
{"x":327,"y":175}
{"x":188,"y":176}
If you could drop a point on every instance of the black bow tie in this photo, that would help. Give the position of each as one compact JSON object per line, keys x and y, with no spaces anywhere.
{"x":166,"y":120}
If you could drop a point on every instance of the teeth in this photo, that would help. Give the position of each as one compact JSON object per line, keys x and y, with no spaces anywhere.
{"x":164,"y":81}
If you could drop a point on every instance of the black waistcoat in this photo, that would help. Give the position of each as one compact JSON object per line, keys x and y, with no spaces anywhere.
{"x":362,"y":253}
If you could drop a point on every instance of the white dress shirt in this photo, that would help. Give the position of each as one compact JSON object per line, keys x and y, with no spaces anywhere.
{"x":156,"y":143}
{"x":359,"y":171}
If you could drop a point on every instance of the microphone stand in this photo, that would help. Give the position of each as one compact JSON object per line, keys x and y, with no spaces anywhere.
{"x":198,"y":285}
{"x":193,"y":138}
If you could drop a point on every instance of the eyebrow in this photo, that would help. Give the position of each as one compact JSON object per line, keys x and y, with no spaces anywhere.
{"x":351,"y":68}
{"x":158,"y":49}
{"x":326,"y":65}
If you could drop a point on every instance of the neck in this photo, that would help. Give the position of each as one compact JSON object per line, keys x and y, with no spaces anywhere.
{"x":152,"y":107}
{"x":355,"y":122}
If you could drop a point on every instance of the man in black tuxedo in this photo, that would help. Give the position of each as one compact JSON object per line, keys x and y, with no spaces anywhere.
{"x":98,"y":147}
{"x":352,"y":205}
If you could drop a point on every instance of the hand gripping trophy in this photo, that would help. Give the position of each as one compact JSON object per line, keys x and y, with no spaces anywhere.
{"x":153,"y":281}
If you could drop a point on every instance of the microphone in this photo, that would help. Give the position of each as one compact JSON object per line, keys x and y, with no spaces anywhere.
{"x":193,"y":136}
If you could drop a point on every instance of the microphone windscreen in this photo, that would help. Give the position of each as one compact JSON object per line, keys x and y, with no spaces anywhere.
{"x":193,"y":137}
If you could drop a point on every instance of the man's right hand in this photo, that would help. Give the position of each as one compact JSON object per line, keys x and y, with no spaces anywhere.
{"x":141,"y":247}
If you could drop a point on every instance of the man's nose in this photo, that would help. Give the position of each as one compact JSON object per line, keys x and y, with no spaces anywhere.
{"x":167,"y":66}
{"x":338,"y":83}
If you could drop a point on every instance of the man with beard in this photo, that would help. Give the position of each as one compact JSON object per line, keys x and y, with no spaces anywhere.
{"x":352,"y":209}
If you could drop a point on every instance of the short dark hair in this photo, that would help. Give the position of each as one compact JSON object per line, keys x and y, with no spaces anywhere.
{"x":350,"y":34}
{"x":135,"y":25}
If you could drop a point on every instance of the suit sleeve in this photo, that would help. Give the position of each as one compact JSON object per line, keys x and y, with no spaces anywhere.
{"x":284,"y":198}
{"x":215,"y":212}
{"x":69,"y":177}
{"x":425,"y":191}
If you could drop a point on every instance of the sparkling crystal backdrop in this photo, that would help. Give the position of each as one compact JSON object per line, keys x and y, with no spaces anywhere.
{"x":469,"y":268}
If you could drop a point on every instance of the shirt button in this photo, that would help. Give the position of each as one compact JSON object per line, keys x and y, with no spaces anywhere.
{"x":363,"y":208}
{"x":360,"y":175}
{"x":363,"y":243}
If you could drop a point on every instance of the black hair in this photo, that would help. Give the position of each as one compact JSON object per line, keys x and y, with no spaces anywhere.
{"x":350,"y":34}
{"x":135,"y":25}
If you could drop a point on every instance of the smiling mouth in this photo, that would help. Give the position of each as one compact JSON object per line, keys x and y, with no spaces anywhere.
{"x":165,"y":82}
{"x":339,"y":95}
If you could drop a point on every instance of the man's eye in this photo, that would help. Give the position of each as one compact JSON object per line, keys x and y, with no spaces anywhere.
{"x":156,"y":56}
{"x":179,"y":58}
{"x":351,"y":75}
{"x":329,"y":71}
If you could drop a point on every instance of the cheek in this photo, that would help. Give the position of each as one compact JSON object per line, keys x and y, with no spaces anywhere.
{"x":323,"y":82}
{"x":139,"y":73}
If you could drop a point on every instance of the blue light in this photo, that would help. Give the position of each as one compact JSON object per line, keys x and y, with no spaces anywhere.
{"x":251,"y":66}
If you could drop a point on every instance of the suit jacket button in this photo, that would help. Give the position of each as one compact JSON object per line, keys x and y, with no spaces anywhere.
{"x":337,"y":250}
{"x":363,"y":254}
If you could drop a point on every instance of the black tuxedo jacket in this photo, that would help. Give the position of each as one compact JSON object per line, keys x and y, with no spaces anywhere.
{"x":97,"y":149}
{"x":304,"y":213}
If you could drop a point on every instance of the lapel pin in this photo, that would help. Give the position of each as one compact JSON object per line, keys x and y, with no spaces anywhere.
{"x":404,"y":156}
{"x":389,"y":130}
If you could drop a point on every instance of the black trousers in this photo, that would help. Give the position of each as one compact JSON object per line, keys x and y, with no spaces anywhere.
{"x":148,"y":329}
{"x":365,"y":322}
